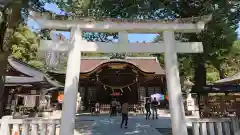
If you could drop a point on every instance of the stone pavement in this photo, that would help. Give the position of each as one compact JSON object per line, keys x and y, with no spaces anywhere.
{"x":105,"y":125}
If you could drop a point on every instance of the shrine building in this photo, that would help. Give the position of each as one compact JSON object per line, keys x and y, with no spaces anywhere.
{"x":129,"y":78}
{"x":25,"y":86}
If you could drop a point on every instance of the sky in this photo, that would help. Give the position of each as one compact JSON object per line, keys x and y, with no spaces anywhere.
{"x":132,"y":37}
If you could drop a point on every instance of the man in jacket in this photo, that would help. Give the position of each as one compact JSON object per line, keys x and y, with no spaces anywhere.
{"x":154,"y":108}
{"x":124,"y":114}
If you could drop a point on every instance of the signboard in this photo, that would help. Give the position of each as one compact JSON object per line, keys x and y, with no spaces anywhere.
{"x":116,"y":94}
{"x":190,"y":103}
{"x":33,"y":92}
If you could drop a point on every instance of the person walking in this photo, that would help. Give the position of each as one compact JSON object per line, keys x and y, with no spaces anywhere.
{"x":124,"y":114}
{"x":154,"y":108}
{"x":147,"y":108}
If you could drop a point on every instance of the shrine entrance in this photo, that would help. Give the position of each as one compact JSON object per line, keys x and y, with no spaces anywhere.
{"x":118,"y":80}
{"x":121,"y":79}
{"x":127,"y":78}
{"x":170,"y":47}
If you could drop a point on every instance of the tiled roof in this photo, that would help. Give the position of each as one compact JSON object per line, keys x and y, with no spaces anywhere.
{"x":146,"y":64}
{"x":31,"y":74}
{"x":235,"y":79}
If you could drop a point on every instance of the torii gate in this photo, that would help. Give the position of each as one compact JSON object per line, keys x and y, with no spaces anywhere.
{"x":169,"y":47}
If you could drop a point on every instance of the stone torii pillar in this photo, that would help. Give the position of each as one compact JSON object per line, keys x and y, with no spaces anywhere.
{"x":173,"y":85}
{"x":71,"y":84}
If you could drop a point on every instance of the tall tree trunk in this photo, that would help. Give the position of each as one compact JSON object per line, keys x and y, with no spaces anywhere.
{"x":3,"y":61}
{"x":6,"y":45}
{"x":200,"y":72}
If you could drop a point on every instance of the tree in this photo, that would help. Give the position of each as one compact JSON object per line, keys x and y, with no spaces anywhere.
{"x":224,"y":15}
{"x":218,"y":42}
{"x":185,"y":61}
{"x":217,"y":38}
{"x":25,"y":45}
{"x":7,"y":28}
{"x":137,"y":9}
{"x":232,"y":63}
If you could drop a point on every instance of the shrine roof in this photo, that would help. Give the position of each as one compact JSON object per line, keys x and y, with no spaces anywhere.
{"x":145,"y":64}
{"x":235,"y":79}
{"x":218,"y":89}
{"x":26,"y":74}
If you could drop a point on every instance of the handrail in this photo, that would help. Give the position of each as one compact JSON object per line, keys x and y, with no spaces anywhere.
{"x":205,"y":126}
{"x":215,"y":126}
{"x":28,"y":126}
{"x":209,"y":119}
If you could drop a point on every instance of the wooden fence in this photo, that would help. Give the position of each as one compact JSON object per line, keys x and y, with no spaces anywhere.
{"x":37,"y":126}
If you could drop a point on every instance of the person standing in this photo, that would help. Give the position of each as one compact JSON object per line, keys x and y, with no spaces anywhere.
{"x":113,"y":107}
{"x":147,"y":108}
{"x":124,"y":114}
{"x":154,"y":108}
{"x":97,"y":108}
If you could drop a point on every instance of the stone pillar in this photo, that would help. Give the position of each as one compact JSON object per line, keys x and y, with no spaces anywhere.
{"x":42,"y":100}
{"x":71,"y":84}
{"x":4,"y":130}
{"x":173,"y":85}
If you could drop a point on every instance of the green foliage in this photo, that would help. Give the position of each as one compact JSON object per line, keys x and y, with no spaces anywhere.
{"x":217,"y":38}
{"x":236,"y":48}
{"x":24,"y":46}
{"x":212,"y":77}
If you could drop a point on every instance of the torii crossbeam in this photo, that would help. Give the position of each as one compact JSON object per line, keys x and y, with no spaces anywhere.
{"x":169,"y":47}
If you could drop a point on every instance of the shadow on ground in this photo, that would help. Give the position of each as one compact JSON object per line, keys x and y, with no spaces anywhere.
{"x":98,"y":125}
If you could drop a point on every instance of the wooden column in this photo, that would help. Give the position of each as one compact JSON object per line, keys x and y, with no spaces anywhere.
{"x":146,"y":88}
{"x":85,"y":98}
{"x":5,"y":98}
{"x":138,"y":91}
{"x":137,"y":87}
{"x":162,"y":86}
{"x":98,"y":91}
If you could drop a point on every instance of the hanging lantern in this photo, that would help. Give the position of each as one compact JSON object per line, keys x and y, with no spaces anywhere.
{"x":97,"y":77}
{"x":121,"y":90}
{"x":129,"y":88}
{"x":137,"y":78}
